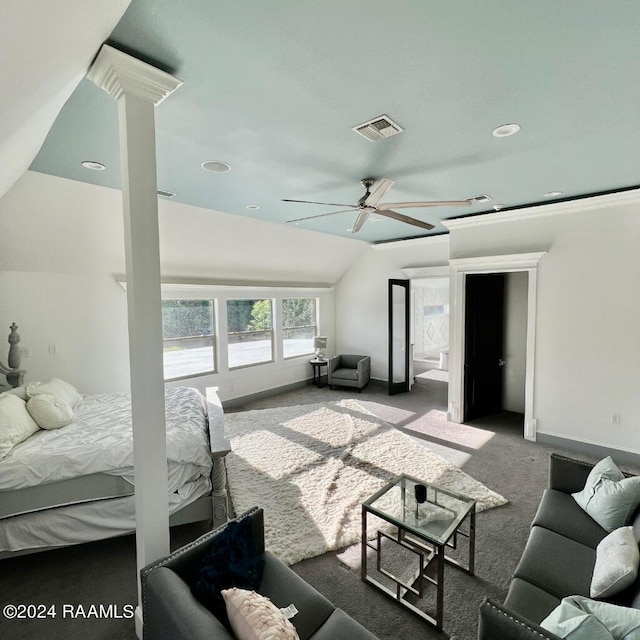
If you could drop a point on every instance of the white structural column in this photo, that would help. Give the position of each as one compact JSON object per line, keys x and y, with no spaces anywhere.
{"x":138,"y":87}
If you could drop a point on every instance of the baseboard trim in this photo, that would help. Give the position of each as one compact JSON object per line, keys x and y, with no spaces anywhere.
{"x":580,"y":446}
{"x":259,"y":395}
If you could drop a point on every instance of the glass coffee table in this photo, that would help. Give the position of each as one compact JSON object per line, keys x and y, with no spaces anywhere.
{"x":425,"y":519}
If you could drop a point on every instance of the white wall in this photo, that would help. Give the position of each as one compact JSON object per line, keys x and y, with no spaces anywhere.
{"x":588,"y":314}
{"x":515,"y":341}
{"x":63,"y":250}
{"x":361,"y":295}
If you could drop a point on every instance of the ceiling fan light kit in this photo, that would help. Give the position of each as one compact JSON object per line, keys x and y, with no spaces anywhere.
{"x":370,"y":204}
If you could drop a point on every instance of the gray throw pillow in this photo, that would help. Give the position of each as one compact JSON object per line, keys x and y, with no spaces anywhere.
{"x":608,"y":497}
{"x":617,"y":559}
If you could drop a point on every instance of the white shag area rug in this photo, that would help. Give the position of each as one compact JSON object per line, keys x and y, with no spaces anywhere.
{"x":312,"y":466}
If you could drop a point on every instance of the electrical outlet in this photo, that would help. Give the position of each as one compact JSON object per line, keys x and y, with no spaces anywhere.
{"x":616,"y":418}
{"x":53,"y":349}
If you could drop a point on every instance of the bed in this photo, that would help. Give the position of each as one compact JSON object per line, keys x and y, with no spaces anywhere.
{"x":74,"y":484}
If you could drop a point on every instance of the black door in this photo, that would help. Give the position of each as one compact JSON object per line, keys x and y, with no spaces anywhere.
{"x":399,"y":351}
{"x":483,"y":358}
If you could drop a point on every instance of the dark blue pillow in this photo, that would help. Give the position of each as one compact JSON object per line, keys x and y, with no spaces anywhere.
{"x":232,"y":561}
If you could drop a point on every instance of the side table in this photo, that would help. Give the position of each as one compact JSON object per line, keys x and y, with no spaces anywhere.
{"x":317,"y":370}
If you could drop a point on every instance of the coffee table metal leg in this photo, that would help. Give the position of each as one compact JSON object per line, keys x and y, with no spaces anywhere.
{"x":363,"y":557}
{"x":472,"y":540}
{"x":440,"y":588}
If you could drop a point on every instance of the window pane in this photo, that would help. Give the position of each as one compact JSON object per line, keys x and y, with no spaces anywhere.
{"x":299,"y":322}
{"x":250,"y":334}
{"x":188,"y":337}
{"x":187,"y":318}
{"x":188,"y":356}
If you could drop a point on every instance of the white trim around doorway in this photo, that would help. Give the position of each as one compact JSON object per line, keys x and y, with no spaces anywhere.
{"x":459,"y":269}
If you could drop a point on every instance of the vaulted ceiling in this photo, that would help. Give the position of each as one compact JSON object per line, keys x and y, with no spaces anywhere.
{"x":274,"y":88}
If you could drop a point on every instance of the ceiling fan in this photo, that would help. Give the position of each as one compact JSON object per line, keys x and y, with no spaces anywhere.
{"x":370,"y":203}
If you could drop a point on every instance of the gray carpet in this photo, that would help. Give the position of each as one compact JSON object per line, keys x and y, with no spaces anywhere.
{"x":492,"y":451}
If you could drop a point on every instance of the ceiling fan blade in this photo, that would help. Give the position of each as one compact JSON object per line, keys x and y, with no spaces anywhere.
{"x":362,"y":218}
{"x":322,"y":215}
{"x":417,"y":205}
{"x":402,"y":218}
{"x":381,"y":190}
{"x":326,"y":204}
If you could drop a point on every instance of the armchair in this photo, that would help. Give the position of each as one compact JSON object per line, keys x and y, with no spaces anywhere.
{"x":172,"y":612}
{"x":349,"y":371}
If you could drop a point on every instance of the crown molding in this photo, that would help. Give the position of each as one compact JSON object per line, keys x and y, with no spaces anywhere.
{"x":412,"y":242}
{"x":513,"y":261}
{"x":118,"y":73}
{"x":551,"y":209}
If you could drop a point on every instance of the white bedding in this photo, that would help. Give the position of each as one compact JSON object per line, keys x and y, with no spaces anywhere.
{"x":99,"y":440}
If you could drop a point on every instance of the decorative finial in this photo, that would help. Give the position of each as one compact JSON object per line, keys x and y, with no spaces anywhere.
{"x":14,"y":349}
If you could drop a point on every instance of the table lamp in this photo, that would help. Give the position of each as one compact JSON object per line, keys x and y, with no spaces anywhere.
{"x":320,"y":344}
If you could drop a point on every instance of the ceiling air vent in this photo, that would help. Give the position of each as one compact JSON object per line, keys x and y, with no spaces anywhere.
{"x":378,"y":129}
{"x":166,"y":194}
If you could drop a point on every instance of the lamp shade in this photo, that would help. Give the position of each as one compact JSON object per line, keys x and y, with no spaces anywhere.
{"x":320,"y":342}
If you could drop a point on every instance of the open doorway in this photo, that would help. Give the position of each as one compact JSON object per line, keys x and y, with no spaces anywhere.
{"x":460,"y":268}
{"x":430,"y":330}
{"x":495,"y":345}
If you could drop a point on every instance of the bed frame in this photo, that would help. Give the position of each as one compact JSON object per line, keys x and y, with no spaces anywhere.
{"x":213,"y":507}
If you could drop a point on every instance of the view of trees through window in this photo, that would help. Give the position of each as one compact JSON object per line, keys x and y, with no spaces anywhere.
{"x":189,"y":344}
{"x":299,"y":326}
{"x":190,"y":341}
{"x":250,"y":332}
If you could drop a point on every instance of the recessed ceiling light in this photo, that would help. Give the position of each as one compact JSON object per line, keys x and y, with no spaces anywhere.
{"x":349,"y":230}
{"x":94,"y":166}
{"x":505,"y":130}
{"x":497,"y":207}
{"x":253,"y":207}
{"x":216,"y":166}
{"x":552,"y":194}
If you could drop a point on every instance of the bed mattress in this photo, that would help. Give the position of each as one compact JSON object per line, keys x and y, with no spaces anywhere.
{"x":100,"y":440}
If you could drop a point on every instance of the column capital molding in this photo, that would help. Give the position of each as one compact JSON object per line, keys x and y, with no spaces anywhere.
{"x":118,"y":74}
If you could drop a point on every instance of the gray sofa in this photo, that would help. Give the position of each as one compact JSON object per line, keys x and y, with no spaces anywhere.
{"x":557,"y":561}
{"x":349,"y":371}
{"x":172,"y":612}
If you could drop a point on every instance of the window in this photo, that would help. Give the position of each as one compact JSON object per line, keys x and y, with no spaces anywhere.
{"x":189,"y":341}
{"x":250,"y":332}
{"x":299,"y":326}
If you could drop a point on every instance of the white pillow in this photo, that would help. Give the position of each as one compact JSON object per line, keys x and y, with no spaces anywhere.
{"x":20,"y":391}
{"x":255,"y":617}
{"x":16,"y":425}
{"x":57,"y":388}
{"x":580,"y":618}
{"x":608,"y":497}
{"x":617,"y":560}
{"x":49,"y":412}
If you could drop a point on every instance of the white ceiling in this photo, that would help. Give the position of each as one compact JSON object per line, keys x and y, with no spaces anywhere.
{"x":46,"y":49}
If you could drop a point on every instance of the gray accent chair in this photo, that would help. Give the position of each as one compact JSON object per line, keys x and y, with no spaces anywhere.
{"x":349,"y":371}
{"x":171,"y":612}
{"x":557,"y":561}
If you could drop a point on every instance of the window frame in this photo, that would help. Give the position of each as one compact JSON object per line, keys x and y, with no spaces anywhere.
{"x":315,"y":326}
{"x":212,"y":336}
{"x":271,"y":331}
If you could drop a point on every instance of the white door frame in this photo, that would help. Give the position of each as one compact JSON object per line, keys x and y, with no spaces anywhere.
{"x":459,"y":269}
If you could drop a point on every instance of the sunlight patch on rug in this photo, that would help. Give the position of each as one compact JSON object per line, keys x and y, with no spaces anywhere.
{"x":312,"y":466}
